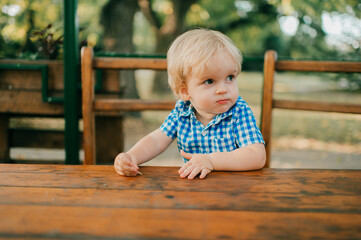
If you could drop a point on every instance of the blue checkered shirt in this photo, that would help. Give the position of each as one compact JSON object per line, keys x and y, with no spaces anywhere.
{"x":227,"y":131}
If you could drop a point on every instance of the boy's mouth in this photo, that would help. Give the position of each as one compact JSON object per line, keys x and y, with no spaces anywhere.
{"x":223,"y":101}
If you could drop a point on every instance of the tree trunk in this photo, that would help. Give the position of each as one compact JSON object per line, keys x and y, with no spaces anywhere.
{"x":166,"y":33}
{"x":117,"y":20}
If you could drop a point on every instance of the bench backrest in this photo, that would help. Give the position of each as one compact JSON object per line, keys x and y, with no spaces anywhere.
{"x":271,"y":65}
{"x":92,"y":105}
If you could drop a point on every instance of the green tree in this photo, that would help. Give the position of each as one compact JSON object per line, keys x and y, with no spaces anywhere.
{"x":171,"y":18}
{"x":167,"y":21}
{"x":19,"y":19}
{"x":255,"y":25}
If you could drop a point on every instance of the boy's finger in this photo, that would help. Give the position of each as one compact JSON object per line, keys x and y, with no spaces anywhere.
{"x":127,"y":162}
{"x":184,"y":167}
{"x":194,"y":173}
{"x":181,"y":170}
{"x":204,"y":173}
{"x":186,"y":155}
{"x":119,"y":171}
{"x":130,"y":168}
{"x":186,"y":172}
{"x":134,"y":164}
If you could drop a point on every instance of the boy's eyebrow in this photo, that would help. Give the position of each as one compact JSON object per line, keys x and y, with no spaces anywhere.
{"x":208,"y":76}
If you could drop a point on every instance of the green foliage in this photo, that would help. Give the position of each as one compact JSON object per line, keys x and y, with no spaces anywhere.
{"x":19,"y":19}
{"x":48,"y":44}
{"x":254,"y":25}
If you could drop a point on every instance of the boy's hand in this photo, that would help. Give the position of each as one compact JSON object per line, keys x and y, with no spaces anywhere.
{"x":198,"y":163}
{"x":124,"y":165}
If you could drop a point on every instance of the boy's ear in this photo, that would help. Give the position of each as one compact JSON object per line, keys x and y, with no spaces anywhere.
{"x":183,"y":93}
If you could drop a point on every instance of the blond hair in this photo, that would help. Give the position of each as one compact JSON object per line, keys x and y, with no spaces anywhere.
{"x":189,"y":53}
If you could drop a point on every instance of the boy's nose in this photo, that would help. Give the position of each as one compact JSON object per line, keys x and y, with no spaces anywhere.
{"x":222,"y":88}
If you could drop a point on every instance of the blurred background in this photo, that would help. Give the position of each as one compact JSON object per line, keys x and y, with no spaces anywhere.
{"x":310,"y":29}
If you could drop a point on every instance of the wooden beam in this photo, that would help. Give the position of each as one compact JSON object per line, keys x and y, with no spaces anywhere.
{"x":318,"y":66}
{"x":130,"y":63}
{"x":318,"y":106}
{"x":132,"y":104}
{"x":87,"y":106}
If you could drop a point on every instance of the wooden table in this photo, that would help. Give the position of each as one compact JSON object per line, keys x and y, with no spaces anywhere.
{"x":93,"y":202}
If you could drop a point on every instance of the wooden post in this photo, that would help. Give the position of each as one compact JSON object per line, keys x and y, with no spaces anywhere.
{"x":87,"y":105}
{"x":266,"y":118}
{"x":71,"y":81}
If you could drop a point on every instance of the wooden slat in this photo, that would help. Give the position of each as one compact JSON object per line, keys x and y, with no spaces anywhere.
{"x":329,"y":182}
{"x":24,"y":102}
{"x":31,"y":79}
{"x":25,"y":80}
{"x":130,"y":63}
{"x":93,"y":202}
{"x":318,"y":106}
{"x":87,"y":106}
{"x":318,"y":66}
{"x":266,"y":117}
{"x":166,"y":199}
{"x":132,"y":104}
{"x":119,"y":223}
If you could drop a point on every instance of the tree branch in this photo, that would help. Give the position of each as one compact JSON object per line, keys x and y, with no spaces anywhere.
{"x":151,"y":16}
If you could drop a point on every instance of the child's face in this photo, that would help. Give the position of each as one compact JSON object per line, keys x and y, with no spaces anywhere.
{"x":214,"y":90}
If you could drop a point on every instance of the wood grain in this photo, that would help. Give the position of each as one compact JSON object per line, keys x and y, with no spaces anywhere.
{"x":266,"y":114}
{"x":93,"y":202}
{"x":130,"y":63}
{"x":318,"y":66}
{"x":28,"y":103}
{"x":132,"y":105}
{"x":87,"y":106}
{"x":82,"y":222}
{"x":317,"y":106}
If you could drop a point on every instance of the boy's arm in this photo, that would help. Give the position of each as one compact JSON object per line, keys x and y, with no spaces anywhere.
{"x":149,"y":147}
{"x":251,"y":157}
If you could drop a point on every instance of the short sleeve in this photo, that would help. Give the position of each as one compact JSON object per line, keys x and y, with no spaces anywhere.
{"x":170,"y":125}
{"x":246,"y":129}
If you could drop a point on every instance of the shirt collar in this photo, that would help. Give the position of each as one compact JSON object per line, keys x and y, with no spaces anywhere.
{"x":224,"y":115}
{"x":188,"y":109}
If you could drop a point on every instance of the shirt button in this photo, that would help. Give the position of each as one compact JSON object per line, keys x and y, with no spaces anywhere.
{"x":204,"y":133}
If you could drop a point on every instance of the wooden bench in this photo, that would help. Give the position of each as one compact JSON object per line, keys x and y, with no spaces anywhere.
{"x":92,"y":105}
{"x":34,"y":89}
{"x":271,"y":65}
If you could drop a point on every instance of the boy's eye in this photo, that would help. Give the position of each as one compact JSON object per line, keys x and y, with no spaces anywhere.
{"x":208,"y":82}
{"x":230,"y":78}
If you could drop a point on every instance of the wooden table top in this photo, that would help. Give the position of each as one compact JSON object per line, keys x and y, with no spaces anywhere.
{"x":93,"y":202}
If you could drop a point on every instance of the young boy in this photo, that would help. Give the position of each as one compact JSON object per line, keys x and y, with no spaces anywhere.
{"x":215,"y":128}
